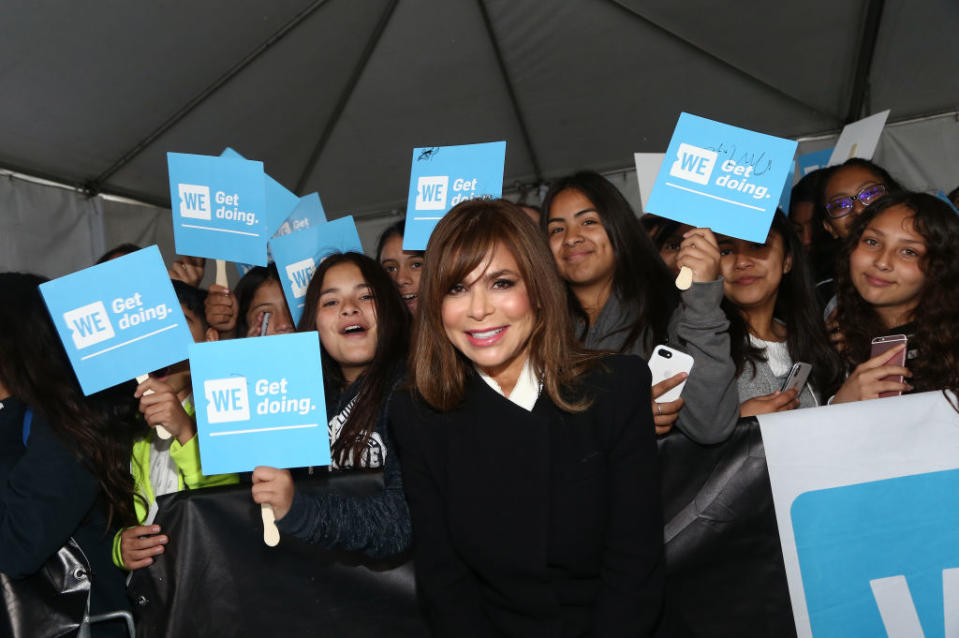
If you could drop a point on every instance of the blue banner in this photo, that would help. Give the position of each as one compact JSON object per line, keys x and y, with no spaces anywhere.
{"x":307,"y":214}
{"x":219,"y":207}
{"x":118,"y":319}
{"x":443,"y":176}
{"x":297,"y":256}
{"x":259,"y":401}
{"x":722,"y":177}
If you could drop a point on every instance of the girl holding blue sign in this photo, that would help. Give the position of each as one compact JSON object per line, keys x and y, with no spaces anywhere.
{"x":363,"y":329}
{"x":64,"y":458}
{"x":774,"y":321}
{"x":623,"y":299}
{"x":530,"y":464}
{"x":898,"y":274}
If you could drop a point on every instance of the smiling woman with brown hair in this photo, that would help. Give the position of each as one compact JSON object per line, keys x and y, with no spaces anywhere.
{"x":530,"y":465}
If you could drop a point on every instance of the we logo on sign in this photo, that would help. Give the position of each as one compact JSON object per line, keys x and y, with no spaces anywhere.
{"x":227,"y":400}
{"x":89,"y":324}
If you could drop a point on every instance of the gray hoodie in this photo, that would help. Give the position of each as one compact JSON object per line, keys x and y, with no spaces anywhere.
{"x":699,"y":328}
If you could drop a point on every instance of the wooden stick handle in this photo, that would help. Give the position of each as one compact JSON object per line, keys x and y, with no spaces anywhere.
{"x":162,"y":432}
{"x":271,"y":535}
{"x":221,"y":279}
{"x":685,"y":278}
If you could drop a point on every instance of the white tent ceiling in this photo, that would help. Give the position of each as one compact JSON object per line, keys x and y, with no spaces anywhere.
{"x":333,"y":94}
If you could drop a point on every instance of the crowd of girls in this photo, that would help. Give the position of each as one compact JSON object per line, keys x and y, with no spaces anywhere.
{"x":497,"y":381}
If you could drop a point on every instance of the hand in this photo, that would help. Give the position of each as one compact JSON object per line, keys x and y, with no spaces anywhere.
{"x":665,"y":414}
{"x":138,"y":545}
{"x":273,"y":487}
{"x":700,"y":253}
{"x":769,"y":403}
{"x":189,"y":270}
{"x":162,"y":407}
{"x":836,"y":337}
{"x":221,"y":309}
{"x":866,"y":382}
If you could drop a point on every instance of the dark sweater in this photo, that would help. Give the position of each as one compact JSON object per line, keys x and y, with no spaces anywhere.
{"x":46,"y":496}
{"x":379,"y":526}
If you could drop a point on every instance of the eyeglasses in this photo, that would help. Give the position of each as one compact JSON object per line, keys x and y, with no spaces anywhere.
{"x":842,"y":206}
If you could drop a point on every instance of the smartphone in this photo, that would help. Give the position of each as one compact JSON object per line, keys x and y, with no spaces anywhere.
{"x":797,"y":377}
{"x":665,"y":363}
{"x":884,"y":344}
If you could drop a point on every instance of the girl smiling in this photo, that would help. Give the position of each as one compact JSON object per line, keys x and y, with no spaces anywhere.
{"x":898,"y":274}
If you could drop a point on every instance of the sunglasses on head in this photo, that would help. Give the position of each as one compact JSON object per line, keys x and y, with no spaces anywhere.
{"x":842,"y":206}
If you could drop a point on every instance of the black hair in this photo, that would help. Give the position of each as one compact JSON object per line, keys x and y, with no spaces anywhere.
{"x":396,"y":229}
{"x":392,"y":346}
{"x":246,"y":289}
{"x":954,"y":196}
{"x":99,"y":429}
{"x":190,"y":297}
{"x":796,"y":304}
{"x":641,"y":277}
{"x":117,"y":251}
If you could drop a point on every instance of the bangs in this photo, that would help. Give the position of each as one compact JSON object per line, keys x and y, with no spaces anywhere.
{"x":466,"y":249}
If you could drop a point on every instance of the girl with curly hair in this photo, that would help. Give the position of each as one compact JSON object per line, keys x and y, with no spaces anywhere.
{"x":898,"y":274}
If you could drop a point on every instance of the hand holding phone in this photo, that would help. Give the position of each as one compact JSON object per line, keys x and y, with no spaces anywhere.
{"x":665,"y":363}
{"x":886,"y":343}
{"x":797,"y":377}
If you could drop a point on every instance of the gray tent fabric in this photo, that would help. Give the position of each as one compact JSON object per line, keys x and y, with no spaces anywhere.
{"x":333,"y":94}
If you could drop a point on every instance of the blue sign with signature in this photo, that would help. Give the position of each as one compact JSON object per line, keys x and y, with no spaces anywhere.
{"x":444,"y":176}
{"x":881,"y":558}
{"x":118,"y":319}
{"x":297,"y":255}
{"x":259,"y":401}
{"x":722,"y":177}
{"x":219,"y":207}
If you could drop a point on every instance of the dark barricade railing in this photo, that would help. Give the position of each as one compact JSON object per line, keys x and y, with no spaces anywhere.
{"x":725,"y":574}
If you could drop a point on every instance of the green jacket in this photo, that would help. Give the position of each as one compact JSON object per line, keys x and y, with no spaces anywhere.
{"x":187,"y":459}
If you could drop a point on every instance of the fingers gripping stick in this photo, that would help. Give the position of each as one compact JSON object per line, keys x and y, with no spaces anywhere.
{"x":685,"y":278}
{"x":271,"y":535}
{"x":162,"y":432}
{"x":221,"y":279}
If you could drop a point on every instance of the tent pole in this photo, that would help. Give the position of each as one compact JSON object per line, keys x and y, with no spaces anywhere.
{"x":345,"y":96}
{"x":867,"y":50}
{"x":95,"y":185}
{"x":510,"y":90}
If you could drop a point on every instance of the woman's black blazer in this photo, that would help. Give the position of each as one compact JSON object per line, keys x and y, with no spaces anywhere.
{"x":542,"y":523}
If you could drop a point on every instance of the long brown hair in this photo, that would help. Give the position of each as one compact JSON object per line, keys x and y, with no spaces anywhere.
{"x":461,"y":241}
{"x":392,"y":342}
{"x":100,"y":428}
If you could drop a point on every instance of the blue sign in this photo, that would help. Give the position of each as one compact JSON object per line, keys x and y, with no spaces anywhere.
{"x":813,"y":161}
{"x":444,"y":176}
{"x":218,"y":207}
{"x":259,"y":401}
{"x":722,"y":177}
{"x":118,"y":319}
{"x":280,"y":202}
{"x":942,"y":195}
{"x":307,"y":214}
{"x":880,"y":555}
{"x":787,"y":195}
{"x":297,"y":256}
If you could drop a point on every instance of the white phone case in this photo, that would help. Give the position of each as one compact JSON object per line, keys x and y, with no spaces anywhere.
{"x":665,"y":363}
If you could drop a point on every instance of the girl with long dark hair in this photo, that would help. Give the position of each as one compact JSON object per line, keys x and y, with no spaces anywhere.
{"x":774,"y":321}
{"x":898,"y":274}
{"x":530,"y":463}
{"x":64,"y":458}
{"x":364,"y":334}
{"x":239,"y":313}
{"x":623,"y":299}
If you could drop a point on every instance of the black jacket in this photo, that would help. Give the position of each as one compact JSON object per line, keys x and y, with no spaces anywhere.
{"x":541,"y":523}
